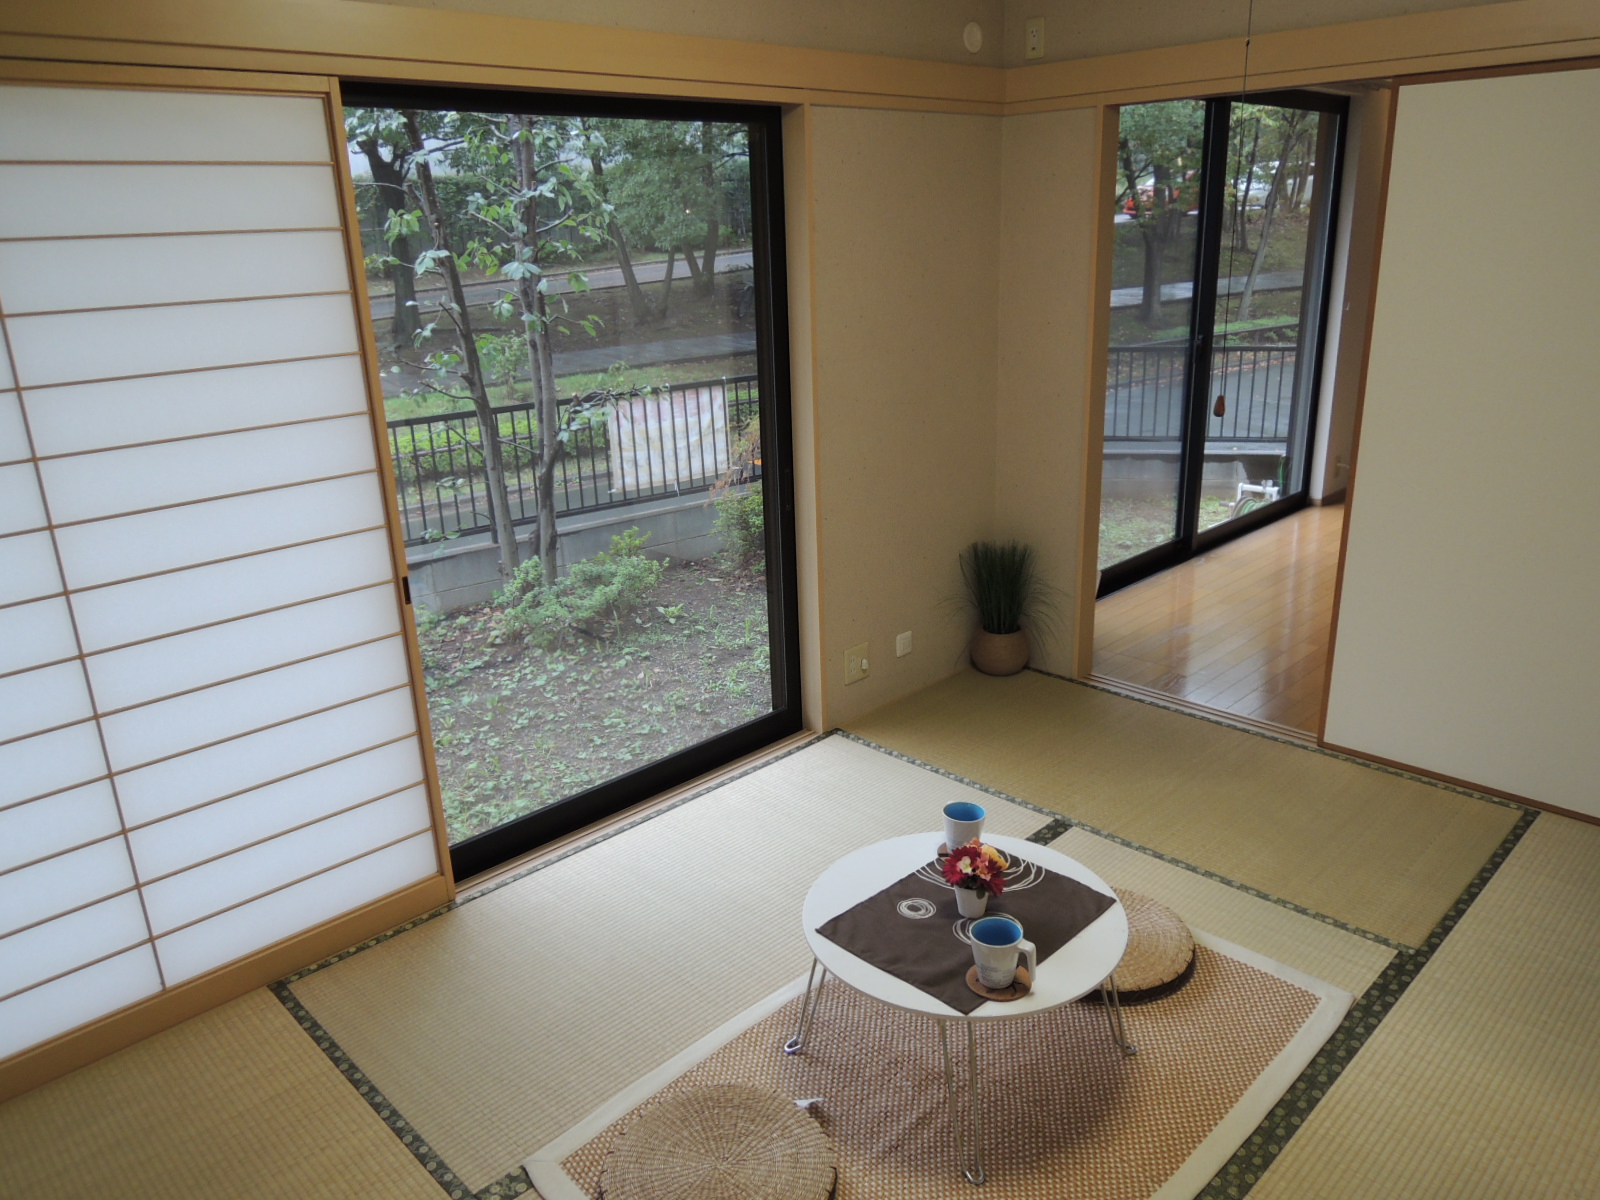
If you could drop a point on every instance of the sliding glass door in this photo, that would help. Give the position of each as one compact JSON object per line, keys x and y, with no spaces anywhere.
{"x":1222,"y":235}
{"x":578,"y":306}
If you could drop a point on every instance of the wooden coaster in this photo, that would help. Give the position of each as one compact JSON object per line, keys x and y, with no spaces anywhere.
{"x":1020,"y":986}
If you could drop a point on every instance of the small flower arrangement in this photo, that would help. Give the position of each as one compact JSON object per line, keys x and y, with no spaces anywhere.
{"x":977,"y":868}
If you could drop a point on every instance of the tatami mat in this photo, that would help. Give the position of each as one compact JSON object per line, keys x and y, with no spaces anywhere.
{"x":237,"y":1102}
{"x":1484,"y":1082}
{"x":1345,"y":959}
{"x":498,"y":1025}
{"x":1372,"y":848}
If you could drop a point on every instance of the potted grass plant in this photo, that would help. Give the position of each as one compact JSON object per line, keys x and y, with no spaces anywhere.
{"x":1009,"y":598}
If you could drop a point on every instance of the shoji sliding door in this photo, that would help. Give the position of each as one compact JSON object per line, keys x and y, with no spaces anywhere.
{"x":208,"y":733}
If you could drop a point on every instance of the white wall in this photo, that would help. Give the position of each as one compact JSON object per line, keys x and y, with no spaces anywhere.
{"x":1050,"y":219}
{"x":1467,"y":637}
{"x":904,"y":236}
{"x":1086,"y":28}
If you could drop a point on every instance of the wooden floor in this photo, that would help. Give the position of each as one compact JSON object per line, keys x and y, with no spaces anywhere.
{"x":1243,"y":628}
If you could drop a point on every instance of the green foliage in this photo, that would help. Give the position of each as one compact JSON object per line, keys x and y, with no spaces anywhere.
{"x":593,"y":597}
{"x":742,"y":525}
{"x":1004,"y":587}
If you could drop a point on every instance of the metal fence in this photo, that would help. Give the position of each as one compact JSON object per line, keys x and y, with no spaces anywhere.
{"x":676,"y":440}
{"x":1145,"y":393}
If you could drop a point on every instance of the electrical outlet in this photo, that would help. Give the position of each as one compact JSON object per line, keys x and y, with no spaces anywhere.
{"x":1033,"y":38}
{"x":855,"y":663}
{"x":902,"y":644}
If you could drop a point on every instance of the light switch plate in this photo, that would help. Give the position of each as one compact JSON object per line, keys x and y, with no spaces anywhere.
{"x":855,"y":663}
{"x":902,"y":644}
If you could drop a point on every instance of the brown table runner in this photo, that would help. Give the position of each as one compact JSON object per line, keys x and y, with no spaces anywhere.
{"x":912,"y":929}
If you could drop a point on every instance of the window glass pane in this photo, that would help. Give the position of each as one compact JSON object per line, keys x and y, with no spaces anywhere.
{"x":1266,"y":319}
{"x":607,"y":332}
{"x":1153,"y":265}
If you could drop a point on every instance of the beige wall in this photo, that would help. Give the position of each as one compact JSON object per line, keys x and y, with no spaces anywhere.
{"x":1047,"y":244}
{"x":927,"y":29}
{"x":904,"y":224}
{"x":1087,"y":28}
{"x":1467,"y":635}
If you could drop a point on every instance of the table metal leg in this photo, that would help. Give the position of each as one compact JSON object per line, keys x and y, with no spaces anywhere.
{"x":808,"y":1009}
{"x":1113,"y":1006}
{"x":971,"y":1168}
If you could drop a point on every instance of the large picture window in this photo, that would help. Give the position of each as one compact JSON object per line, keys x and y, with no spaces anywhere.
{"x":578,"y":311}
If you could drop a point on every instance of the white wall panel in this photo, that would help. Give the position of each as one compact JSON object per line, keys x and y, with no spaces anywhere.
{"x":186,"y":661}
{"x":81,"y":124}
{"x":52,"y":824}
{"x":1467,"y":631}
{"x":130,"y":547}
{"x":203,"y":833}
{"x":211,"y":943}
{"x":125,"y":412}
{"x":71,"y":347}
{"x":200,"y":891}
{"x":35,"y":633}
{"x":72,"y":941}
{"x":27,"y":567}
{"x":89,"y":486}
{"x":53,"y":1008}
{"x":13,"y":434}
{"x":48,"y":276}
{"x":180,"y":783}
{"x":21,"y":505}
{"x":50,"y":762}
{"x":146,"y":608}
{"x":33,"y":894}
{"x":175,"y":300}
{"x":95,"y":200}
{"x":40,"y":699}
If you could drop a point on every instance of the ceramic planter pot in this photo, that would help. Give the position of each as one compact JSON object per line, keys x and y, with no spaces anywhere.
{"x":1000,"y":653}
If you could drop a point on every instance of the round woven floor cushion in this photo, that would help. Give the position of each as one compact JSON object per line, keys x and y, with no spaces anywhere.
{"x":724,"y":1142}
{"x":1160,"y":948}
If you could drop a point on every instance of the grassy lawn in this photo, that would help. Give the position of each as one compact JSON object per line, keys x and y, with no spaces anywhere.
{"x":1131,"y":525}
{"x":517,"y":728}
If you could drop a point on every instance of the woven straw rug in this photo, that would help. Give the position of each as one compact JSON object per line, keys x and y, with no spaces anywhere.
{"x":1067,"y":1117}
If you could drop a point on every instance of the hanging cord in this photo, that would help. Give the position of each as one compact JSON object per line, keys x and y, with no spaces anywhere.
{"x":1244,"y":87}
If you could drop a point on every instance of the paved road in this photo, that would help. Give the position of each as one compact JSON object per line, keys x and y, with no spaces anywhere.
{"x":599,"y":278}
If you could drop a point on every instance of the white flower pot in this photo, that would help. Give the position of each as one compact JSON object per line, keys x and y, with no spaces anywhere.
{"x":972,"y":903}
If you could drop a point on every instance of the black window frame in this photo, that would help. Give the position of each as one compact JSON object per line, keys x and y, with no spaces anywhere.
{"x":769,"y":260}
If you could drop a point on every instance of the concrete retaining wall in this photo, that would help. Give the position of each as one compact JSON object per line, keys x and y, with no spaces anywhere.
{"x":452,"y":575}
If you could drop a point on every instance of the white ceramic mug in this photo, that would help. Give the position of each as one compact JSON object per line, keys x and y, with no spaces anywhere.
{"x":963,"y":821}
{"x":996,"y":943}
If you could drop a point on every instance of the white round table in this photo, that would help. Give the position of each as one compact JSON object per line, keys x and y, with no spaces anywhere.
{"x":1076,"y":969}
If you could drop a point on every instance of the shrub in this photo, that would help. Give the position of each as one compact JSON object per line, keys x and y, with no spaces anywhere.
{"x":593,"y":597}
{"x":742,"y":525}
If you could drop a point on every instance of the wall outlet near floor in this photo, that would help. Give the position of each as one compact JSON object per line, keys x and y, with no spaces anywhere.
{"x":902,"y":644}
{"x":1033,"y":38}
{"x":855,"y":663}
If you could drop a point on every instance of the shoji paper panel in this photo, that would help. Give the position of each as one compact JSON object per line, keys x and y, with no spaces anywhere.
{"x":208,"y":739}
{"x":1467,"y":639}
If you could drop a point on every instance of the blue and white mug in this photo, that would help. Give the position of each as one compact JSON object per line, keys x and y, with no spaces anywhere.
{"x":996,"y":944}
{"x":963,"y":821}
